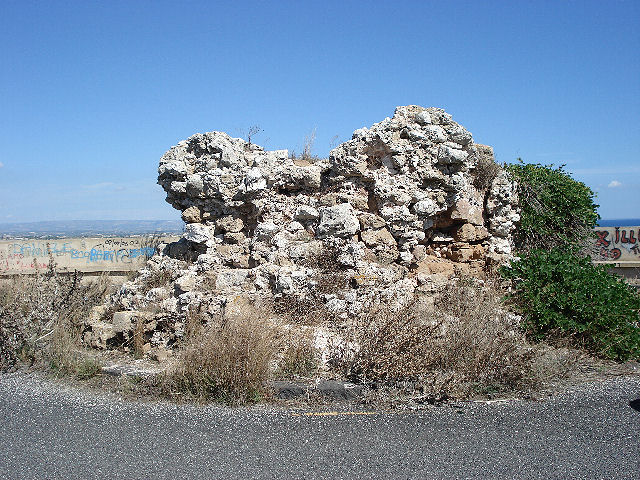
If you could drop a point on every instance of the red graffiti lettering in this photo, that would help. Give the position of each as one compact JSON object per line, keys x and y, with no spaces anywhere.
{"x":615,"y":253}
{"x":602,"y":238}
{"x":624,"y":238}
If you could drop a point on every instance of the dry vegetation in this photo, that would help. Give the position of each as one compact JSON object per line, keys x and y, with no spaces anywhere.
{"x":41,"y":321}
{"x":463,"y":345}
{"x":225,"y":359}
{"x":486,"y":170}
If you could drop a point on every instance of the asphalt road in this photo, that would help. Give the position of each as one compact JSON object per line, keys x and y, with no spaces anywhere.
{"x":51,"y":431}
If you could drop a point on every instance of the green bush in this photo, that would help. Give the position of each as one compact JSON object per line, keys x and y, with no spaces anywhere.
{"x":556,"y":210}
{"x":562,"y":294}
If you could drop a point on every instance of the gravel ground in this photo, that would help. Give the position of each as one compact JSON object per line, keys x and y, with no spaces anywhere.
{"x":53,"y":430}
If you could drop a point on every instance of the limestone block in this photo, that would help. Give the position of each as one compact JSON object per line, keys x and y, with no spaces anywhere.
{"x":306,"y":212}
{"x":186,"y":283}
{"x":470,"y":233}
{"x":125,"y":321}
{"x":436,"y":133}
{"x":370,"y":221}
{"x":460,"y":135}
{"x":99,"y":335}
{"x":254,"y":180}
{"x":432,"y":265}
{"x":198,"y":233}
{"x":465,"y":211}
{"x":234,"y":238}
{"x":378,"y":238}
{"x":230,"y":224}
{"x":294,"y":227}
{"x":192,"y":215}
{"x":467,"y":253}
{"x":265,"y":230}
{"x":339,"y":220}
{"x":195,"y":185}
{"x":448,"y":155}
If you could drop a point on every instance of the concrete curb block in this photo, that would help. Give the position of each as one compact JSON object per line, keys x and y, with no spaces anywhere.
{"x":328,"y":389}
{"x":117,"y":370}
{"x":283,"y":389}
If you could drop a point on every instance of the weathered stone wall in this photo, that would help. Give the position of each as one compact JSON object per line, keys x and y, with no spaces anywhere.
{"x":617,"y":244}
{"x":393,"y":212}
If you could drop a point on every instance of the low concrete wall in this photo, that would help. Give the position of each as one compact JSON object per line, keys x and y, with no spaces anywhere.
{"x":620,"y":248}
{"x":618,"y":244}
{"x":117,"y":254}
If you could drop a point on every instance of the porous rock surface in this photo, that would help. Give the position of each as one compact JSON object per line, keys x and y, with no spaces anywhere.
{"x":391,"y":213}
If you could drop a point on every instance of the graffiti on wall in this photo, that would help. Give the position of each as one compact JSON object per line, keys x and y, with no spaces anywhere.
{"x":618,"y":243}
{"x":84,"y":253}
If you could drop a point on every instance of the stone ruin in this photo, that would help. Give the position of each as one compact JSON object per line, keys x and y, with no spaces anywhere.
{"x":392,"y":213}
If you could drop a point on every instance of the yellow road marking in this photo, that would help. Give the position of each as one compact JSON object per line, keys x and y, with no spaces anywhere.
{"x":330,"y":414}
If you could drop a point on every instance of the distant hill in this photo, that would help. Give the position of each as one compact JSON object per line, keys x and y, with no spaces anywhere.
{"x":89,"y":228}
{"x":107,"y":228}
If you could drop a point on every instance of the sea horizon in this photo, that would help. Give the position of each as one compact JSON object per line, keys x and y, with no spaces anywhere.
{"x":619,"y":222}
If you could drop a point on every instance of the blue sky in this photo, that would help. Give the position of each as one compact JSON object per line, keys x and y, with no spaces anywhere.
{"x":93,"y":93}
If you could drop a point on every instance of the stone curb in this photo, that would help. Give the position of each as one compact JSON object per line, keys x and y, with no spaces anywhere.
{"x":328,"y":389}
{"x":283,"y":389}
{"x":117,"y":370}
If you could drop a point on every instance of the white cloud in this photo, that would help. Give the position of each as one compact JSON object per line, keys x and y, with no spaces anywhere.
{"x":614,"y":184}
{"x":98,"y":186}
{"x":1,"y":164}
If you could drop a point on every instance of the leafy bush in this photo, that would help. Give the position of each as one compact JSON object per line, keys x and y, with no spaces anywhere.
{"x":556,"y":286}
{"x":556,"y":210}
{"x":563,"y":294}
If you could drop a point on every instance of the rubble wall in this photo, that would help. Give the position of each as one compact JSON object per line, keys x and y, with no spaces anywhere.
{"x":395,"y":211}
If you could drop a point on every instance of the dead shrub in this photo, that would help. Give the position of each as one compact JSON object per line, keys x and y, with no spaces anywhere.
{"x":195,"y":321}
{"x":229,"y":361}
{"x":486,"y":170}
{"x":325,"y":260}
{"x":309,"y":310}
{"x":155,"y":279}
{"x":464,"y":345}
{"x":41,"y":318}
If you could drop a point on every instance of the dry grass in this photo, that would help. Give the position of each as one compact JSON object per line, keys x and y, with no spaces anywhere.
{"x":464,"y":345}
{"x":299,"y":357}
{"x":309,"y":310}
{"x":155,"y":279}
{"x":229,"y":361}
